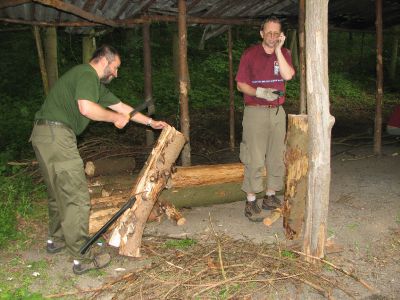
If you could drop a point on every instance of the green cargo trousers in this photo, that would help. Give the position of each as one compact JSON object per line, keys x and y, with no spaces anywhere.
{"x":263,"y":145}
{"x":68,"y":196}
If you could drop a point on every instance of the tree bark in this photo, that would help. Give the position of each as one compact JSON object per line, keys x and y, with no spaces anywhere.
{"x":148,"y":89}
{"x":296,"y":160}
{"x":151,"y":180}
{"x":39,"y":48}
{"x":50,"y":46}
{"x":379,"y":79}
{"x":320,"y":125}
{"x":231,"y":95}
{"x":183,"y":82}
{"x":88,"y":46}
{"x":302,"y":58}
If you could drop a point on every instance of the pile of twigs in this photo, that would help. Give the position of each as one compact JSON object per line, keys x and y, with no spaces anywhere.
{"x":222,"y":268}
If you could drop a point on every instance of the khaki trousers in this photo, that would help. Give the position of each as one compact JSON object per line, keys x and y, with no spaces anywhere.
{"x":68,"y":196}
{"x":263,"y":145}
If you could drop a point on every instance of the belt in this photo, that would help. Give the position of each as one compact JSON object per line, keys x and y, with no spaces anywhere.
{"x":263,"y":106}
{"x":50,"y":123}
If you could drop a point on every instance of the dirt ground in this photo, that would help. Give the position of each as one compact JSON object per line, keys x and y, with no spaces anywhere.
{"x":364,"y":226}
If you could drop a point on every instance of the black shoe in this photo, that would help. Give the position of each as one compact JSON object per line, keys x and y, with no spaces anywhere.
{"x":251,"y":209}
{"x":271,"y":202}
{"x":98,"y":262}
{"x":54,"y":247}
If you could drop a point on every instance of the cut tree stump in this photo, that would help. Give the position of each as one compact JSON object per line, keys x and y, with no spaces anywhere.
{"x":127,"y":234}
{"x":110,"y":166}
{"x":296,"y":161}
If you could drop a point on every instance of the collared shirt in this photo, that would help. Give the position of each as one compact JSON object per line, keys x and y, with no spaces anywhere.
{"x":259,"y":69}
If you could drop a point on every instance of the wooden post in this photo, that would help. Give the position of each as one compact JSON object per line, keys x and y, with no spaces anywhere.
{"x":296,"y":161}
{"x":152,"y":179}
{"x":148,"y":91}
{"x":39,"y":48}
{"x":231,"y":95}
{"x":293,"y":48}
{"x":379,"y":80}
{"x":395,"y":48}
{"x":50,"y":54}
{"x":302,"y":56}
{"x":183,"y":82}
{"x":320,"y":125}
{"x":88,"y":46}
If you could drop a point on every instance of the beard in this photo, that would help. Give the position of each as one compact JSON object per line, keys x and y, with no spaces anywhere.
{"x":107,"y":77}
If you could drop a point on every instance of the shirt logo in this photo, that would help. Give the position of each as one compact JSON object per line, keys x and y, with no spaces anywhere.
{"x":276,"y":68}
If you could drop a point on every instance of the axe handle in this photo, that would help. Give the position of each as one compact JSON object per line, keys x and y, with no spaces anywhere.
{"x":103,"y":229}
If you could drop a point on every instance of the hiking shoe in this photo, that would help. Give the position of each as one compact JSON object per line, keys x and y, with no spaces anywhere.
{"x":99,"y":261}
{"x":54,"y":247}
{"x":251,"y":208}
{"x":271,"y":202}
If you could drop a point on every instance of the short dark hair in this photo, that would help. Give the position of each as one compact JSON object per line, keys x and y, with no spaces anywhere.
{"x":106,"y":51}
{"x":272,"y":19}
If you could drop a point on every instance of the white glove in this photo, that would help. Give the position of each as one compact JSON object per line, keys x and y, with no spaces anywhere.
{"x":266,"y":93}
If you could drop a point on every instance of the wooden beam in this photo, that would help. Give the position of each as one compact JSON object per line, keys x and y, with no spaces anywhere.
{"x":11,"y":3}
{"x":39,"y":47}
{"x":379,"y":80}
{"x":320,"y":125}
{"x":231,"y":95}
{"x":148,"y":90}
{"x":183,"y":82}
{"x":141,"y":20}
{"x":302,"y":57}
{"x":72,"y":9}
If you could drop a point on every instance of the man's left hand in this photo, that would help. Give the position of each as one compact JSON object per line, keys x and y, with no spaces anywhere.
{"x":281,"y":41}
{"x":158,"y":124}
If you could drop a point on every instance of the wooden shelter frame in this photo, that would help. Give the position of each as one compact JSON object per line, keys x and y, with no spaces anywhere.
{"x":314,"y":50}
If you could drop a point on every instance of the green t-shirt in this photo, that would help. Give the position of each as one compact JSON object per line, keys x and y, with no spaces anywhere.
{"x":61,"y":104}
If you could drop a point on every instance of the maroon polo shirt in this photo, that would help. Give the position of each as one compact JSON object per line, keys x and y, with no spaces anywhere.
{"x":394,"y":119}
{"x":259,"y":69}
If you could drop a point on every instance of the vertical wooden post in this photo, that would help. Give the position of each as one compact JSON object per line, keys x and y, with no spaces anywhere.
{"x":38,"y":40}
{"x":50,"y":54}
{"x":88,"y":46}
{"x":302,"y":56}
{"x":320,"y":124}
{"x":183,"y":82}
{"x":379,"y":80}
{"x":293,"y":48}
{"x":148,"y":91}
{"x":231,"y":96}
{"x":394,"y":54}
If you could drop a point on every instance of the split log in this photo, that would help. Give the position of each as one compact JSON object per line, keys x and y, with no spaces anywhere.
{"x":152,"y":179}
{"x":275,"y":215}
{"x":110,"y":166}
{"x":296,"y":160}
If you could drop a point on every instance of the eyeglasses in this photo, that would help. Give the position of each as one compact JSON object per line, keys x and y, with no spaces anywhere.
{"x":273,"y":34}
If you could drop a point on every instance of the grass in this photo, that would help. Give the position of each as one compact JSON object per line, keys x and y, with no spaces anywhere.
{"x":179,"y":244}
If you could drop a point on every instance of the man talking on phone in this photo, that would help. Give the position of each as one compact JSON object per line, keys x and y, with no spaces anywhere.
{"x":261,"y":77}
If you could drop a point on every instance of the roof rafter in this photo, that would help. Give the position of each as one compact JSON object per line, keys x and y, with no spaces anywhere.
{"x":72,"y":9}
{"x":10,"y":3}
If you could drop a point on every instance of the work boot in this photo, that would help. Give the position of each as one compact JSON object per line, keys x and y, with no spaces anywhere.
{"x":54,"y":247}
{"x":99,"y":261}
{"x":251,"y":208}
{"x":271,"y":202}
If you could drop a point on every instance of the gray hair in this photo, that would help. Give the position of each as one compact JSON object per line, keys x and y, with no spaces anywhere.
{"x":106,"y":51}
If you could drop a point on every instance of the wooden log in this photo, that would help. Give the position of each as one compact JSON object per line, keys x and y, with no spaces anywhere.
{"x":275,"y":215}
{"x":152,"y":179}
{"x":109,"y":166}
{"x":296,"y":160}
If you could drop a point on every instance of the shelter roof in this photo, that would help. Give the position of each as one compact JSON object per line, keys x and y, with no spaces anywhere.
{"x":79,"y":14}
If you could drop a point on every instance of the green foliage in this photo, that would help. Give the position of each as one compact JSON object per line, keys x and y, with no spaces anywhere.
{"x":288,"y":254}
{"x":180,"y":244}
{"x":21,"y":294}
{"x":17,"y":194}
